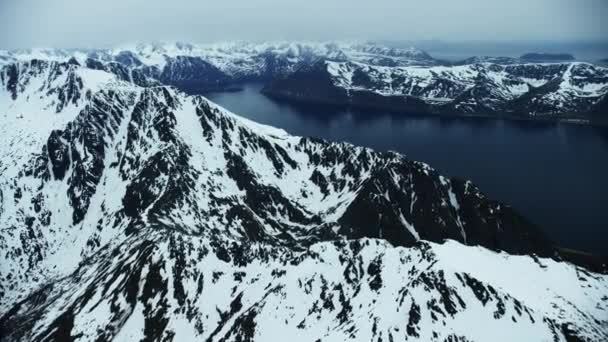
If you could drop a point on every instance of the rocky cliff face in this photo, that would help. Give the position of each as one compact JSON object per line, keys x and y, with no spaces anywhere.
{"x":131,"y":211}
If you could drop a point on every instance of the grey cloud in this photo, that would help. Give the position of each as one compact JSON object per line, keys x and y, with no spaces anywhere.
{"x":79,"y":23}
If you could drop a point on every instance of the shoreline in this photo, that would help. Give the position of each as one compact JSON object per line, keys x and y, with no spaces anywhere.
{"x":593,"y":262}
{"x":576,"y":119}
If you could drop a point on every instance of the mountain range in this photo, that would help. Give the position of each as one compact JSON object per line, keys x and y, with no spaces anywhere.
{"x":519,"y":90}
{"x":213,"y":66}
{"x":362,"y":75}
{"x":133,"y":211}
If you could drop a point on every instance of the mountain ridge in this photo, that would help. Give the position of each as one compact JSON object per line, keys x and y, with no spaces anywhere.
{"x":126,"y":208}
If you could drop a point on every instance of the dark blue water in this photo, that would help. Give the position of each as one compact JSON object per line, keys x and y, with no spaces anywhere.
{"x":555,"y":174}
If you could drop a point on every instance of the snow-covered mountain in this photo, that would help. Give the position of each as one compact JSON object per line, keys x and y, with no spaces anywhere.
{"x":228,"y":56}
{"x":480,"y":88}
{"x":131,"y":211}
{"x":358,"y":74}
{"x":209,"y":66}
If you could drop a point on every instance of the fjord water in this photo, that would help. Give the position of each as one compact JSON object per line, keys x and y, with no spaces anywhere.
{"x":556,"y":174}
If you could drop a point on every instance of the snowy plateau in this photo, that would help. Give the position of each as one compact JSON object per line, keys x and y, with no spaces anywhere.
{"x":133,"y":211}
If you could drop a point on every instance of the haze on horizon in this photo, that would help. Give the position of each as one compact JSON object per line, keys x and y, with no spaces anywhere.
{"x":74,"y":23}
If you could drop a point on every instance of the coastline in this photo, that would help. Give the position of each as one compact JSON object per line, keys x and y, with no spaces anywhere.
{"x":565,"y":118}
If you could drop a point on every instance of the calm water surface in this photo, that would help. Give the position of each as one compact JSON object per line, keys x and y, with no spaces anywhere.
{"x":556,"y":174}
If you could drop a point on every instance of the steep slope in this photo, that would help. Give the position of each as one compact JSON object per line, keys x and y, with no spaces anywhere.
{"x":137,"y":212}
{"x":192,"y":75}
{"x":167,"y":285}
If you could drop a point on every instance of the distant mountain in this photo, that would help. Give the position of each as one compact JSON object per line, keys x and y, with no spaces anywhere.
{"x":547,"y":57}
{"x":132,"y":211}
{"x":490,"y":59}
{"x":196,"y":68}
{"x":525,"y":90}
{"x":366,"y":75}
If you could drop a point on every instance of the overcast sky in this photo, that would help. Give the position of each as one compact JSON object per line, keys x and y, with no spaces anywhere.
{"x":102,"y":23}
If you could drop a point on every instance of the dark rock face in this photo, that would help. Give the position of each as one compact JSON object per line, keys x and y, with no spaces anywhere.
{"x":128,"y":59}
{"x":382,"y":208}
{"x":275,"y":66}
{"x":10,"y":78}
{"x":193,"y":75}
{"x":58,"y":153}
{"x":599,"y":110}
{"x":122,"y":71}
{"x":309,"y":83}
